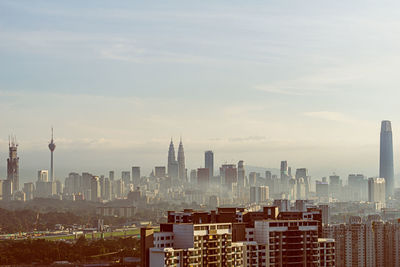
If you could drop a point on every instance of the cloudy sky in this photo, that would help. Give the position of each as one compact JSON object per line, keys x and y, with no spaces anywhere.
{"x":262,"y":81}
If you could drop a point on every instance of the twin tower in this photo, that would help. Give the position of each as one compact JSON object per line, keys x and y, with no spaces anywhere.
{"x":386,"y":158}
{"x":176,"y":168}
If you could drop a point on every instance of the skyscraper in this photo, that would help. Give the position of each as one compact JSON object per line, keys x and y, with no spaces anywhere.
{"x":181,"y":162}
{"x":52,"y":147}
{"x":284,"y":175}
{"x":386,"y":157}
{"x":209,"y":162}
{"x":13,"y":164}
{"x":241,"y":174}
{"x":376,"y":190}
{"x":173,"y":169}
{"x":136,"y":175}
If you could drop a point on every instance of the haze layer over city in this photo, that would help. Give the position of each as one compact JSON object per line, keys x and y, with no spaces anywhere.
{"x":259,"y":82}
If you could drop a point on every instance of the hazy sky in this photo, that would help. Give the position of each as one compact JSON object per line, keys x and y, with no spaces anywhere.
{"x":262,"y":81}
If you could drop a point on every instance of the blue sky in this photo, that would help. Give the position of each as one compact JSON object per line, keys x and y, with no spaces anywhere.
{"x":261,"y":81}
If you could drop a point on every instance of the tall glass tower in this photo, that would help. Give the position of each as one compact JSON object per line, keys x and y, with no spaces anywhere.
{"x":386,"y":157}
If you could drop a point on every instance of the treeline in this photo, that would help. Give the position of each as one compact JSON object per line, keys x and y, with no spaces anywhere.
{"x":14,"y":221}
{"x":41,"y":251}
{"x":28,"y":220}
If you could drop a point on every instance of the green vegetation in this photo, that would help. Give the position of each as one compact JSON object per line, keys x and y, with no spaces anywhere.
{"x":127,"y":233}
{"x":45,"y":252}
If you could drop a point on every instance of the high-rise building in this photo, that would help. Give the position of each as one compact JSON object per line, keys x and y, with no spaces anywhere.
{"x":228,"y":174}
{"x":284,"y":175}
{"x":29,"y":189}
{"x":173,"y":168}
{"x":159,"y":171}
{"x":126,"y":177}
{"x":209,"y":162}
{"x":107,"y":189}
{"x":7,"y":186}
{"x":241,"y":174}
{"x":193,"y":177}
{"x":146,"y":242}
{"x":322,"y":189}
{"x":386,"y":157}
{"x":43,"y":176}
{"x":203,"y":178}
{"x":253,"y":178}
{"x":326,"y":252}
{"x":95,"y":189}
{"x":52,"y":147}
{"x":358,"y":187}
{"x":259,"y":194}
{"x":376,"y":190}
{"x":13,"y":165}
{"x":111,"y":175}
{"x":303,"y":173}
{"x":136,"y":175}
{"x":335,"y":186}
{"x":181,"y":163}
{"x":194,"y":245}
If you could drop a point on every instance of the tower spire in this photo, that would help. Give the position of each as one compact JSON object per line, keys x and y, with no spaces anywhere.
{"x":52,"y":147}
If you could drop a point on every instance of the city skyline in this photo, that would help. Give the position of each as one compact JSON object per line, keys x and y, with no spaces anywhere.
{"x":264,"y":91}
{"x":171,"y":157}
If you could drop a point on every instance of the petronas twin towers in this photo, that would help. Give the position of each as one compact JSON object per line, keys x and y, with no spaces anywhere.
{"x":386,"y":157}
{"x":176,"y":168}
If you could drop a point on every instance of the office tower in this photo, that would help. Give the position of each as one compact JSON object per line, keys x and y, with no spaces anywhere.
{"x":241,"y":174}
{"x":181,"y":163}
{"x":13,"y":165}
{"x":159,"y":171}
{"x":193,"y":176}
{"x":335,"y":186}
{"x":95,"y":189}
{"x":43,"y":176}
{"x":7,"y":189}
{"x":136,"y":175}
{"x":259,"y":194}
{"x":173,"y":167}
{"x":52,"y":147}
{"x":386,"y":157}
{"x":292,"y":189}
{"x":59,"y":187}
{"x":228,"y":174}
{"x":358,"y":187}
{"x":303,"y":173}
{"x":73,"y":183}
{"x":126,"y":177}
{"x":253,"y":178}
{"x":301,"y":188}
{"x":203,"y":178}
{"x":118,"y":188}
{"x":209,"y":162}
{"x":284,"y":176}
{"x":376,"y":191}
{"x":107,"y":189}
{"x":111,"y":175}
{"x":322,"y":189}
{"x":268,"y":176}
{"x":284,"y":169}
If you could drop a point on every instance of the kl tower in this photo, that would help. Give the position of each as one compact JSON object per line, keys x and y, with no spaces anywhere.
{"x":52,"y":147}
